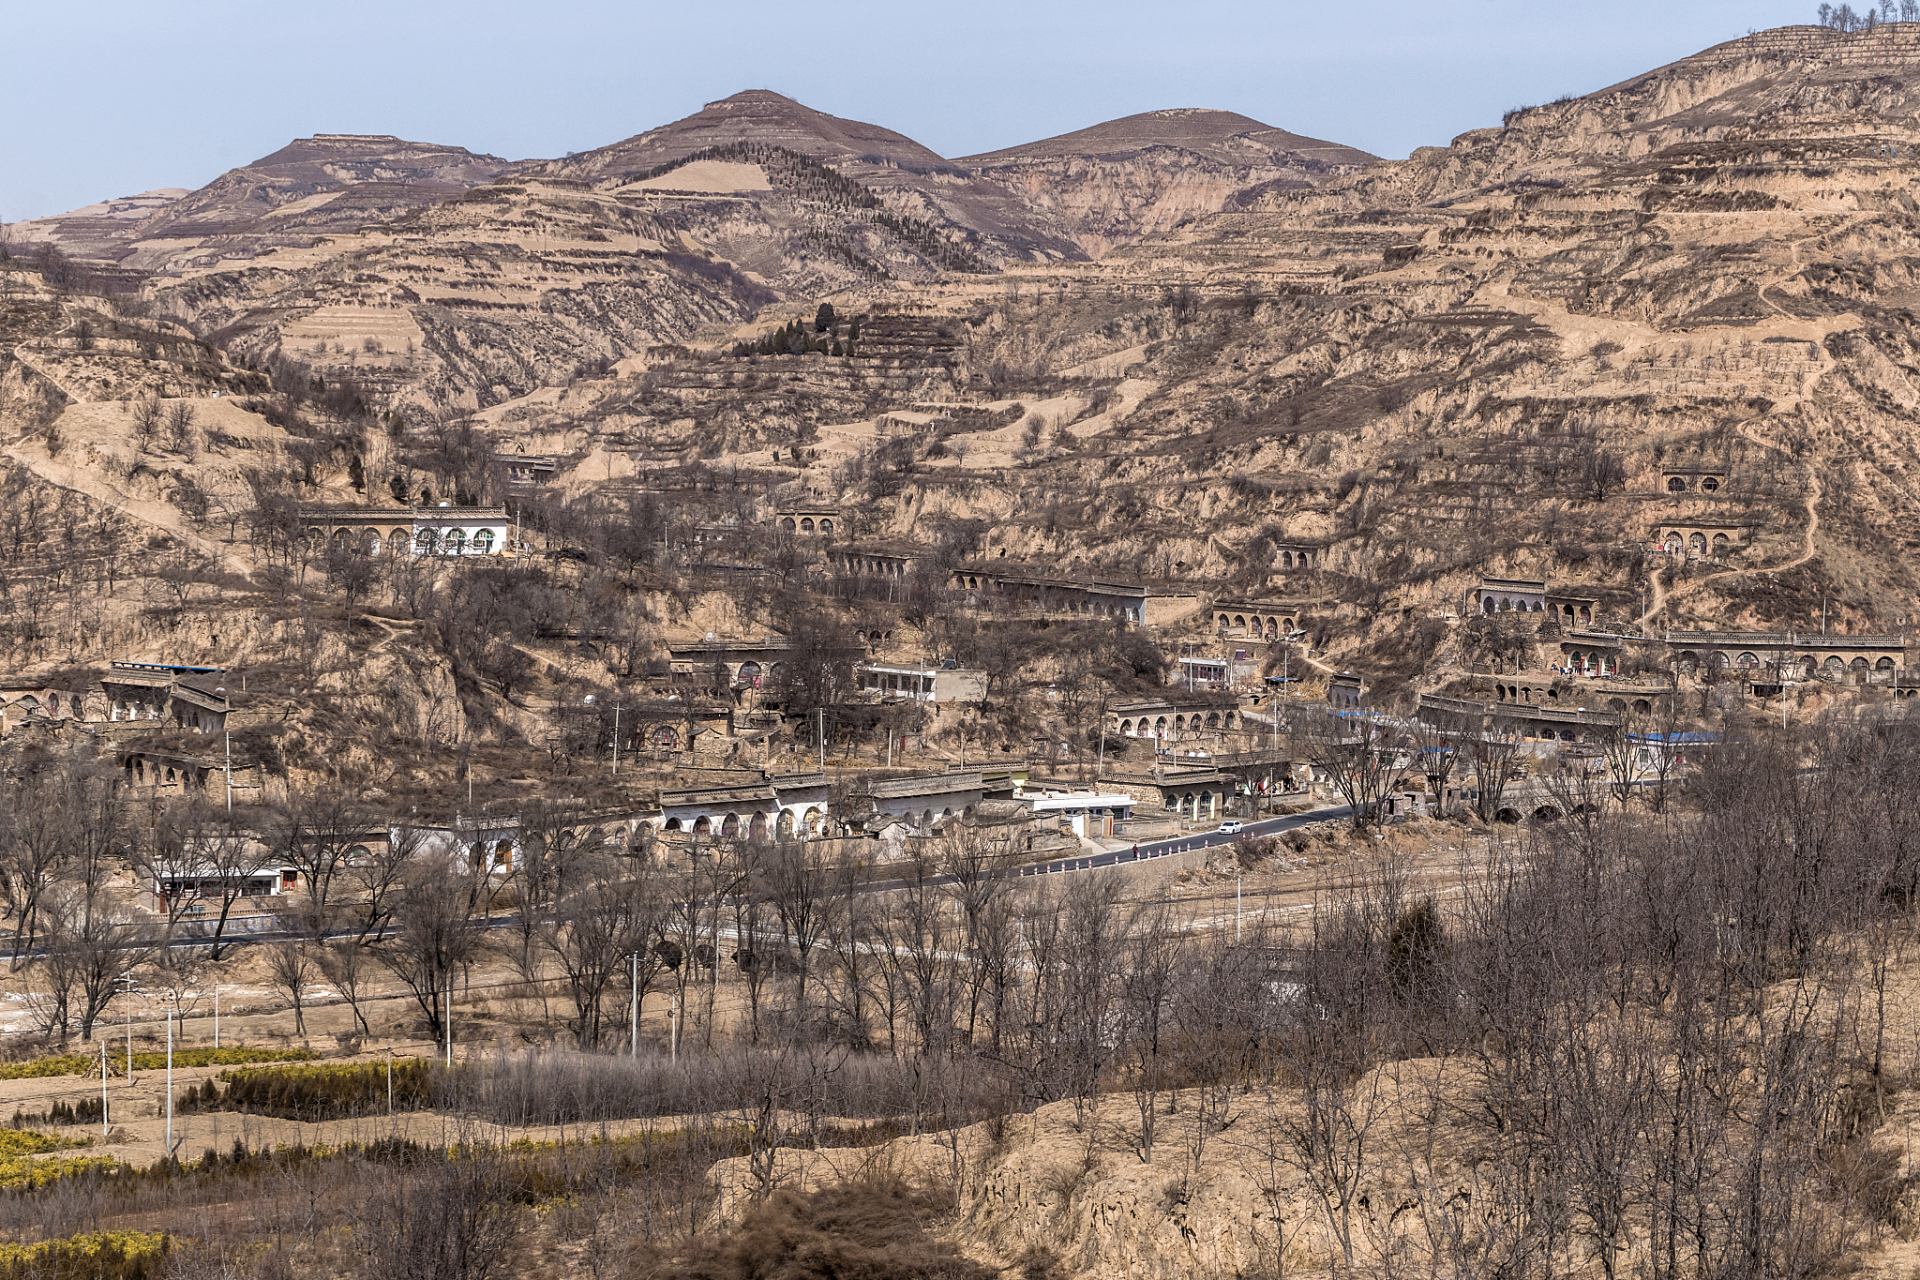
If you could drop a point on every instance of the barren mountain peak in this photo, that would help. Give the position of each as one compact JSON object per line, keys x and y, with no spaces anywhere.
{"x":752,"y":116}
{"x":1219,"y":135}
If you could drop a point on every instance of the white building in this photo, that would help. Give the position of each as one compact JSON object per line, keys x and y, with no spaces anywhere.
{"x":921,"y":683}
{"x":445,"y":530}
{"x":1089,"y":813}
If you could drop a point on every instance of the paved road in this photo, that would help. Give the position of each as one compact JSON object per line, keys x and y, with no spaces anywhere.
{"x":1182,"y":844}
{"x":1148,"y":852}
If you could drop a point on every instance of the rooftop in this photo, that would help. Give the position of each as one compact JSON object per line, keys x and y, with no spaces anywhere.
{"x":927,"y":784}
{"x":1784,"y":640}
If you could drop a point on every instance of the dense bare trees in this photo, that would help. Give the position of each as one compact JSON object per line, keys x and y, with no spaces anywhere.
{"x":1363,"y":758}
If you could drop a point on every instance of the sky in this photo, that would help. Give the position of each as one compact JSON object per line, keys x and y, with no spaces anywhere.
{"x":112,"y":97}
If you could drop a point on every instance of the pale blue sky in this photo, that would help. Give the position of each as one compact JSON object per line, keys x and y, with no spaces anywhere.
{"x":109,"y":97}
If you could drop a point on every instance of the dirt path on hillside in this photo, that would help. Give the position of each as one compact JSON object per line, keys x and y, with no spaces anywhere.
{"x":1815,"y":492}
{"x":158,"y":515}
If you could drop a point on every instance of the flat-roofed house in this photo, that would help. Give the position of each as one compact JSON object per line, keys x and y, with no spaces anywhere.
{"x":445,"y":530}
{"x":921,"y":683}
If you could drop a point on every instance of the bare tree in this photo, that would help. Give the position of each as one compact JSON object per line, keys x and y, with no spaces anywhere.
{"x":1439,"y":739}
{"x":1154,"y":954}
{"x":291,"y":970}
{"x":89,"y":943}
{"x":180,"y":422}
{"x":432,"y":942}
{"x":599,"y":932}
{"x":450,"y":1216}
{"x":321,"y":833}
{"x":348,"y":965}
{"x":148,"y":415}
{"x":1359,"y":756}
{"x":203,"y":854}
{"x":1495,"y":749}
{"x":62,"y":823}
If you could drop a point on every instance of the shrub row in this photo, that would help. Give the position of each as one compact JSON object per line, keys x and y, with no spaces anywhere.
{"x":102,"y":1255}
{"x":85,"y":1111}
{"x":325,"y":1091}
{"x":79,"y":1064}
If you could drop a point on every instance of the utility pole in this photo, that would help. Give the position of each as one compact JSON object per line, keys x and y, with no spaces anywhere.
{"x":170,"y":1083}
{"x":617,"y":709}
{"x":821,"y":713}
{"x":228,"y":736}
{"x":634,"y":1044}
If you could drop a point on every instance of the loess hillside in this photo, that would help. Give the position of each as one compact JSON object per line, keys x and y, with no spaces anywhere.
{"x":1491,"y":359}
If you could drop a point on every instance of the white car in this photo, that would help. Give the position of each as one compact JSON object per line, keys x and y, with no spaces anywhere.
{"x":1232,"y":826}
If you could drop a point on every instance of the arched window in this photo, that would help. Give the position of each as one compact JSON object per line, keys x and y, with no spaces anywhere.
{"x":423,"y":543}
{"x":456,"y":541}
{"x":811,"y":820}
{"x":826,"y":526}
{"x":1697,"y":544}
{"x":757,"y":829}
{"x":370,"y":542}
{"x":673,"y":824}
{"x":1126,"y":728}
{"x":483,"y":542}
{"x":1747,"y":661}
{"x":1286,"y":559}
{"x":730,"y":826}
{"x":806,"y":526}
{"x":1674,"y":544}
{"x":1858,"y":666}
{"x":1835,"y":665}
{"x":1710,"y":484}
{"x":787,"y":524}
{"x":502,"y":854}
{"x":1721,"y":544}
{"x":1885,"y":664}
{"x":1239,"y":621}
{"x":783,"y":826}
{"x":703,"y":825}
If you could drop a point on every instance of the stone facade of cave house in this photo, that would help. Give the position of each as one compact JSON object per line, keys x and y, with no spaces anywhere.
{"x":445,"y":530}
